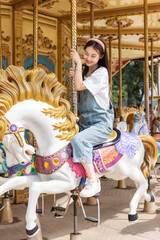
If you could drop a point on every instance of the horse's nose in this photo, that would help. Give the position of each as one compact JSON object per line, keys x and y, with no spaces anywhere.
{"x":22,"y":163}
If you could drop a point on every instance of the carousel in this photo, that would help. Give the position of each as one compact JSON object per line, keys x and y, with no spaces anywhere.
{"x":38,"y":114}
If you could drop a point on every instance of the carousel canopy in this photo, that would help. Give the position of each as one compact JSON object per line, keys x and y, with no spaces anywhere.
{"x":107,"y":14}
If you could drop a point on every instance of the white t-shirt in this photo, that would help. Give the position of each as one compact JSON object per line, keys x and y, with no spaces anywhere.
{"x":98,"y":85}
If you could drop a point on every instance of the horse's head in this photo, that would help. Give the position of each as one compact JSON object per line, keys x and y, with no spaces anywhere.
{"x":17,"y":148}
{"x":156,"y":125}
{"x":140,"y":125}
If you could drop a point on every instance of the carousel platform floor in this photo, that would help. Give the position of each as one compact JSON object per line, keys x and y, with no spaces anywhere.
{"x":114,"y":218}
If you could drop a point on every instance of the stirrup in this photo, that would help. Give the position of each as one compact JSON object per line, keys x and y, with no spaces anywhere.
{"x":76,"y":196}
{"x":60,"y":212}
{"x":92,"y":219}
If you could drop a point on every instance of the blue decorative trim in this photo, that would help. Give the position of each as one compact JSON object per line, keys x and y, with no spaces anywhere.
{"x":41,"y":59}
{"x":4,"y":62}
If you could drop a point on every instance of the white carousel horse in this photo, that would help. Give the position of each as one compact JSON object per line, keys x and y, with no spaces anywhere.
{"x":34,"y":100}
{"x":140,"y":125}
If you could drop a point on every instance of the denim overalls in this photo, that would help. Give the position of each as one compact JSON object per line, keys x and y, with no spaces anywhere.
{"x":95,"y":127}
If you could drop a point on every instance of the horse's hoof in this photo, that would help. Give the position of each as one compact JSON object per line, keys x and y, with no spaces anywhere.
{"x":56,"y":215}
{"x":152,"y":197}
{"x":132,"y":217}
{"x":32,"y":232}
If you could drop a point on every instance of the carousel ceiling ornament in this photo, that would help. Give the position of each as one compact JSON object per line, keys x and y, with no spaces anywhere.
{"x":48,"y":3}
{"x":100,"y":4}
{"x":151,"y":37}
{"x":125,"y":22}
{"x":84,"y":5}
{"x":105,"y":37}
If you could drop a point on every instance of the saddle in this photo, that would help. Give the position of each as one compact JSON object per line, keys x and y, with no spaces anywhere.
{"x":112,"y":140}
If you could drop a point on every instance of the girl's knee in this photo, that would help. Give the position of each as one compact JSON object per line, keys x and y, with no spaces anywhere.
{"x":76,"y":140}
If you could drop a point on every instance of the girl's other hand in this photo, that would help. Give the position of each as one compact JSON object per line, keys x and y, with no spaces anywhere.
{"x":71,"y":72}
{"x":75,"y":56}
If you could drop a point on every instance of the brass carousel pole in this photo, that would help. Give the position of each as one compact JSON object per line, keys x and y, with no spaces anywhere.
{"x":120,"y":68}
{"x":6,"y":216}
{"x":0,"y":41}
{"x":152,"y":74}
{"x":158,"y":84}
{"x":91,"y":21}
{"x":146,"y":80}
{"x":110,"y":64}
{"x":148,"y":206}
{"x":74,"y":46}
{"x":35,"y":33}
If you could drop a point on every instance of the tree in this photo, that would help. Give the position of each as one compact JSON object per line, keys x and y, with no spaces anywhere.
{"x":132,"y":84}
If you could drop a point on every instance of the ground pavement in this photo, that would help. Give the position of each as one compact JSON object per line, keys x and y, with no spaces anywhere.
{"x":114,"y":218}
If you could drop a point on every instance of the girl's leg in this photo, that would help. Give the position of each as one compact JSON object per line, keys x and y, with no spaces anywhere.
{"x":89,"y":170}
{"x":93,"y":186}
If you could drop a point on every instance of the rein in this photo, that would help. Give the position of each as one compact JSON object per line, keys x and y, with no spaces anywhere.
{"x":13,"y":129}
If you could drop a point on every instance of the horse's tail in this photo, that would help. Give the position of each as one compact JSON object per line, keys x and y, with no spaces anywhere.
{"x":151,"y":154}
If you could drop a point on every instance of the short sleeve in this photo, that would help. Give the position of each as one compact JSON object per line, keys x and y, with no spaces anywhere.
{"x":96,"y":81}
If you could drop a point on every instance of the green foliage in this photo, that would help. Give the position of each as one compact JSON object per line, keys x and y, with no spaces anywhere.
{"x":132,"y":84}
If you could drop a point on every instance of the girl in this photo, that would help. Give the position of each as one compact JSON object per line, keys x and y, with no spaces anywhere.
{"x":96,"y":123}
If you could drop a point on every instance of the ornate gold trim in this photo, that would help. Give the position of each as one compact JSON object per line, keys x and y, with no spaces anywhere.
{"x":48,"y":4}
{"x":125,"y":22}
{"x":43,"y":41}
{"x":6,"y":39}
{"x":126,"y":111}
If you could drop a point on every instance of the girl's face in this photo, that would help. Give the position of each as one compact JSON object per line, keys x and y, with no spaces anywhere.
{"x":91,"y":56}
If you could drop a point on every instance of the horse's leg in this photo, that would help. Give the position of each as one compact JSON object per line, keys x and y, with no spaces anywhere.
{"x":50,"y":187}
{"x":149,"y":197}
{"x":142,"y":185}
{"x":16,"y":182}
{"x":63,"y":201}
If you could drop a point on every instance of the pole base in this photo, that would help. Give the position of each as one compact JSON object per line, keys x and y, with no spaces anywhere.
{"x":149,"y":207}
{"x":38,"y":236}
{"x":74,"y":236}
{"x":121,"y":184}
{"x":6,"y":212}
{"x":92,"y":201}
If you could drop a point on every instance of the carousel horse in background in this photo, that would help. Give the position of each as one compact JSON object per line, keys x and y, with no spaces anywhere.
{"x":35,"y":101}
{"x":156,"y":134}
{"x":140,"y":125}
{"x":156,"y":128}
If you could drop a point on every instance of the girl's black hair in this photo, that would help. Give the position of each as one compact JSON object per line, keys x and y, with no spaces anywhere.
{"x":103,"y":61}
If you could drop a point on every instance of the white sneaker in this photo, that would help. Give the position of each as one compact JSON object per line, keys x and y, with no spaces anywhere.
{"x":91,"y":188}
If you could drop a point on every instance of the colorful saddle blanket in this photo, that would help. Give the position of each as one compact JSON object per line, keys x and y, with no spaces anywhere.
{"x":103,"y":158}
